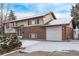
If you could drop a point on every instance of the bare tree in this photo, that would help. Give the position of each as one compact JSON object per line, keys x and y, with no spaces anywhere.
{"x":1,"y":12}
{"x":7,"y":9}
{"x":2,"y":18}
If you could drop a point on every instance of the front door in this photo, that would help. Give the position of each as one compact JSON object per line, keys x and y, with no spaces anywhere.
{"x":18,"y":31}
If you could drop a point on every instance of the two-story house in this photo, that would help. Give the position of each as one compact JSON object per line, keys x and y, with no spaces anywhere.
{"x":45,"y":26}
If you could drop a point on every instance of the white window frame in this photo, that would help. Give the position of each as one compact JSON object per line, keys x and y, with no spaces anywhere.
{"x":34,"y":35}
{"x":33,"y":22}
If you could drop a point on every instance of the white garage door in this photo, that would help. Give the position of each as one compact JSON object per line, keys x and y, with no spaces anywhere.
{"x":54,"y":33}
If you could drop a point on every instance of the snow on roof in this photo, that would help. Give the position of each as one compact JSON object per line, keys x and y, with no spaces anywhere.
{"x":29,"y":17}
{"x":60,"y":21}
{"x":23,"y":18}
{"x":33,"y":16}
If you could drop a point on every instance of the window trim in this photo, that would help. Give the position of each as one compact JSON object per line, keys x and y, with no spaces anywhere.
{"x":31,"y":34}
{"x":35,"y":21}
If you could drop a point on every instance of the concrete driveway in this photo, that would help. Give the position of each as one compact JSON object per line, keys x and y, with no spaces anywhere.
{"x":51,"y":46}
{"x":46,"y":47}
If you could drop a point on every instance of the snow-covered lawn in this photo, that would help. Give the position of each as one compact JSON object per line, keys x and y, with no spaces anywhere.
{"x":49,"y":46}
{"x":26,"y":43}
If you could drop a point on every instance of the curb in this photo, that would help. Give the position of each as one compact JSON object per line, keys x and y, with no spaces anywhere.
{"x":10,"y":52}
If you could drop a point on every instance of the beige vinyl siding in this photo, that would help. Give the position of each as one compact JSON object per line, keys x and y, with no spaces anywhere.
{"x":70,"y":25}
{"x":47,"y":18}
{"x":9,"y":30}
{"x":41,"y":21}
{"x":24,"y":23}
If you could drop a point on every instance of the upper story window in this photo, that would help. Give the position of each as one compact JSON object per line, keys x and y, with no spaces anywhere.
{"x":10,"y":25}
{"x":36,"y":21}
{"x":33,"y":22}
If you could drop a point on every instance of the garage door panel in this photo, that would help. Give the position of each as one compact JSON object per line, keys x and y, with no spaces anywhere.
{"x":54,"y":33}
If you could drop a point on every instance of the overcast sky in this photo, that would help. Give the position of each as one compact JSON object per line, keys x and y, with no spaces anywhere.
{"x":61,"y":10}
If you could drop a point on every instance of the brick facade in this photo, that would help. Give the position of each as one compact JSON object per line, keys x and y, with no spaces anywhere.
{"x":40,"y":32}
{"x":67,"y":33}
{"x":63,"y":33}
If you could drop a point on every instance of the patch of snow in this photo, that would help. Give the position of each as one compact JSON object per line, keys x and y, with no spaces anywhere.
{"x":26,"y":43}
{"x":50,"y":46}
{"x":60,"y":21}
{"x":63,"y":51}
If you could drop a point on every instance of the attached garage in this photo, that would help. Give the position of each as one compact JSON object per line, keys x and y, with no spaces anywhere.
{"x":54,"y":33}
{"x":60,"y":30}
{"x":54,"y":30}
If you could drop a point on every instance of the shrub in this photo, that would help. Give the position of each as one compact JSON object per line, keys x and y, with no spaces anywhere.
{"x":3,"y":50}
{"x":4,"y":46}
{"x":14,"y":42}
{"x":9,"y":43}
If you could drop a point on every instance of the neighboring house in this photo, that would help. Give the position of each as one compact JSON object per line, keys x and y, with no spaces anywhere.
{"x":44,"y":26}
{"x":76,"y":33}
